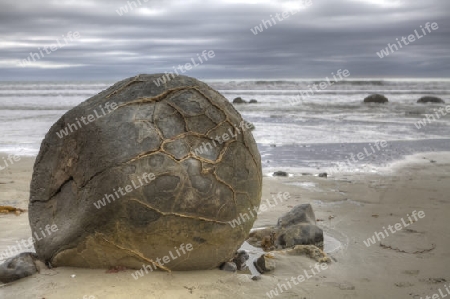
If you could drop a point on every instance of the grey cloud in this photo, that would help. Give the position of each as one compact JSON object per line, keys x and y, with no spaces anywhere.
{"x":328,"y":35}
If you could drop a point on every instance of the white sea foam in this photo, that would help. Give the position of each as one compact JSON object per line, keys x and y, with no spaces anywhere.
{"x":333,"y":116}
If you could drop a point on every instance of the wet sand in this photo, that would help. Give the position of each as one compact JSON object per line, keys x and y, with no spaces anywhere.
{"x":409,"y":263}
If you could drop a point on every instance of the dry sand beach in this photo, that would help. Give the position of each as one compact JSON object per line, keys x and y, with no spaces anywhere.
{"x":413,"y":262}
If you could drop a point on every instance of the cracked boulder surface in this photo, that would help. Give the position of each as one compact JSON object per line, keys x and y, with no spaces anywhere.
{"x":161,"y":130}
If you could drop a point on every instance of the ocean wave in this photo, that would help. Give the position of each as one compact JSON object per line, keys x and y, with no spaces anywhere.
{"x":332,"y":92}
{"x":339,"y":85}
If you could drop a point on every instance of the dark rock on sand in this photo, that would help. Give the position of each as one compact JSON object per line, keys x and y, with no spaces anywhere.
{"x":253,"y":101}
{"x":376,"y":98}
{"x":240,"y":259}
{"x":20,"y":266}
{"x":229,"y":267}
{"x":178,"y":200}
{"x":260,"y":264}
{"x":264,"y":264}
{"x":296,"y":227}
{"x":429,"y":99}
{"x":300,"y":234}
{"x":239,"y":100}
{"x":323,"y":175}
{"x":280,"y":173}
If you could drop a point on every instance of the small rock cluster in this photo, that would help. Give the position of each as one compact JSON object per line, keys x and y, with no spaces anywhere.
{"x":381,"y":99}
{"x":239,"y":262}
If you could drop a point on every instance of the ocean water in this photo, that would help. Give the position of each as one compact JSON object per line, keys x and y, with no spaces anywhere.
{"x":317,"y":132}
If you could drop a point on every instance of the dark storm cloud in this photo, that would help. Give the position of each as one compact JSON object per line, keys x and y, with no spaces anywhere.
{"x":318,"y":40}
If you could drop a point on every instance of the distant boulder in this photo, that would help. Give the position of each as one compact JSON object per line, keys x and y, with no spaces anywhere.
{"x":253,"y":101}
{"x":239,"y":100}
{"x":280,"y":173}
{"x":429,"y":99}
{"x":376,"y":98}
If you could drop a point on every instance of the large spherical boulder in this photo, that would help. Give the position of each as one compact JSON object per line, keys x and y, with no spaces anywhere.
{"x":133,"y":177}
{"x":429,"y":99}
{"x":376,"y":98}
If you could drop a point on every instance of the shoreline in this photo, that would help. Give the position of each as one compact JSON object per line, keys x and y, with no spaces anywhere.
{"x":349,"y":207}
{"x":364,"y":157}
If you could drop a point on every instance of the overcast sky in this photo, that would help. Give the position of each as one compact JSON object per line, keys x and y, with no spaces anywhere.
{"x":319,"y":39}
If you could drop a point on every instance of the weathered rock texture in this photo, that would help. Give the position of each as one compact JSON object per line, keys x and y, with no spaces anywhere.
{"x":20,"y":266}
{"x":296,"y":227}
{"x":155,"y":129}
